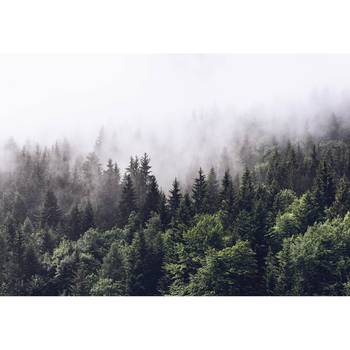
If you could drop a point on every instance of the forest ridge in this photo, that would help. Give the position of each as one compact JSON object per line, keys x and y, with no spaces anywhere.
{"x":279,"y":227}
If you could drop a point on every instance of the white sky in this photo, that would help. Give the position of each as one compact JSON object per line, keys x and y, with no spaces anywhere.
{"x":44,"y":97}
{"x":148,"y":102}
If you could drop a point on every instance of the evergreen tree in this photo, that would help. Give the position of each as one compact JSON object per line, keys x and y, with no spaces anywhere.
{"x":51,"y":213}
{"x":186,"y":210}
{"x":324,"y":188}
{"x":199,"y":193}
{"x":128,"y":201}
{"x":164,"y":212}
{"x":213,"y":198}
{"x":109,"y":196}
{"x":341,"y":205}
{"x":135,"y":265}
{"x":75,"y":224}
{"x":19,"y":210}
{"x":87,"y":217}
{"x":246,"y":192}
{"x":228,"y":200}
{"x":174,"y":200}
{"x":153,"y":199}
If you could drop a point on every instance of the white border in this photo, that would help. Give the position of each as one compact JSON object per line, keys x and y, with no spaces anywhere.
{"x":182,"y":26}
{"x":174,"y":323}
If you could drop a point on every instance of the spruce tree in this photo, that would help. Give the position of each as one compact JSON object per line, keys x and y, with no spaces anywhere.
{"x":213,"y":198}
{"x":128,"y":201}
{"x":174,"y":200}
{"x":341,"y":204}
{"x":152,"y":201}
{"x":109,"y":196}
{"x":324,"y":188}
{"x":228,"y":200}
{"x":199,"y":193}
{"x":75,"y":222}
{"x":246,"y":192}
{"x":51,"y":213}
{"x":164,"y":212}
{"x":88,"y":220}
{"x":186,"y":211}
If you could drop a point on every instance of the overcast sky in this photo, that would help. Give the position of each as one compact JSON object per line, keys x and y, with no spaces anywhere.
{"x":151,"y":103}
{"x":44,"y":97}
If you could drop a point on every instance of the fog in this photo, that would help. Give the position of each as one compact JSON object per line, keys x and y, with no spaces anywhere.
{"x":184,"y":110}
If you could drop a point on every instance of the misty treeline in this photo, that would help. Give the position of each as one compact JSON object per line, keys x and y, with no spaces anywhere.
{"x":278,"y":227}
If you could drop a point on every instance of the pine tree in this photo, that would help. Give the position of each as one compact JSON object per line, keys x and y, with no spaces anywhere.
{"x":186,"y":211}
{"x":135,"y":266}
{"x":19,"y":209}
{"x":154,"y":255}
{"x":109,"y":196}
{"x":324,"y":188}
{"x":128,"y":201}
{"x":75,"y":222}
{"x":15,"y":267}
{"x":144,"y":182}
{"x":152,"y":202}
{"x":199,"y":193}
{"x":51,"y":213}
{"x":246,"y":192}
{"x":341,"y":204}
{"x":174,"y":200}
{"x":164,"y":212}
{"x":228,"y":200}
{"x":213,"y":198}
{"x":88,"y":220}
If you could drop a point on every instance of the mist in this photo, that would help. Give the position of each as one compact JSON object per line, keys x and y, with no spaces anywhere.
{"x":185,"y":111}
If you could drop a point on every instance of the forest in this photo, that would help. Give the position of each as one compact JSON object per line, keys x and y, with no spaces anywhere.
{"x":279,"y":226}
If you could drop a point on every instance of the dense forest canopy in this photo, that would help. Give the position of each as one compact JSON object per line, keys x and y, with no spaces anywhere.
{"x":271,"y":219}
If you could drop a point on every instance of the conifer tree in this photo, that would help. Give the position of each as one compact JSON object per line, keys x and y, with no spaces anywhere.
{"x":128,"y":201}
{"x":153,"y":199}
{"x":88,"y":220}
{"x":19,"y":210}
{"x":135,"y":264}
{"x":174,"y":200}
{"x":324,"y":188}
{"x":164,"y":212}
{"x":199,"y":193}
{"x":75,"y":223}
{"x":145,"y":181}
{"x":228,"y":200}
{"x":51,"y":213}
{"x":186,"y":210}
{"x":246,"y":192}
{"x":213,"y":198}
{"x":109,"y":196}
{"x":341,"y":204}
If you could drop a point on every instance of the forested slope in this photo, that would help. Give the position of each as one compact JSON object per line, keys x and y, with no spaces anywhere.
{"x":280,"y":227}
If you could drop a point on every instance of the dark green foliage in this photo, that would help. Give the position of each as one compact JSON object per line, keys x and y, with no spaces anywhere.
{"x":75,"y":224}
{"x":128,"y":201}
{"x":174,"y":201}
{"x":88,"y":220}
{"x":109,"y":196}
{"x":153,"y":199}
{"x":230,"y":271}
{"x":246,"y":192}
{"x":213,"y":198}
{"x":228,"y":200}
{"x":199,"y":193}
{"x":50,"y":214}
{"x":324,"y":188}
{"x":281,"y":227}
{"x":341,"y":205}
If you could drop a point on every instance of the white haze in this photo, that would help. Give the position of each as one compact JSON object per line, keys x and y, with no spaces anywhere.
{"x":181,"y":109}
